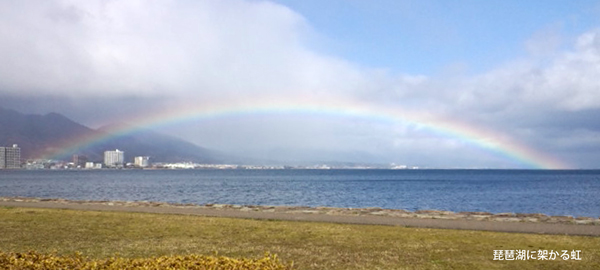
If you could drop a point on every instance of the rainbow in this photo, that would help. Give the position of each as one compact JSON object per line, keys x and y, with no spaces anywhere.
{"x":487,"y":140}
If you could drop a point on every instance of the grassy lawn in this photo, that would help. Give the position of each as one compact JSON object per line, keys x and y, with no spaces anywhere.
{"x":308,"y":245}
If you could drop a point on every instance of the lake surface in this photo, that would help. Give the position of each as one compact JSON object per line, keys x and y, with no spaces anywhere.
{"x":571,"y":192}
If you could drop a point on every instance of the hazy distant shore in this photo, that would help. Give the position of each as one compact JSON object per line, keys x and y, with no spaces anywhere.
{"x":504,"y":222}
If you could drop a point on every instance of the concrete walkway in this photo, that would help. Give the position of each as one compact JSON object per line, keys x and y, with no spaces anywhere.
{"x":514,"y":227}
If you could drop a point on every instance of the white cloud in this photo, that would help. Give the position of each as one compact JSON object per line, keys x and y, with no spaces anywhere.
{"x":568,"y":81}
{"x":211,"y":49}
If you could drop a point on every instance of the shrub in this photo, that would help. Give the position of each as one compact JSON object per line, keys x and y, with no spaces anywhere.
{"x":36,"y":261}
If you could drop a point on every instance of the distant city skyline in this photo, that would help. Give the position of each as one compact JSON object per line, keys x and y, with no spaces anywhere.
{"x":462,"y":84}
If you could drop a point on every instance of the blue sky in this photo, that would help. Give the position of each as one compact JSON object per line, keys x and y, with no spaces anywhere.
{"x":429,"y":37}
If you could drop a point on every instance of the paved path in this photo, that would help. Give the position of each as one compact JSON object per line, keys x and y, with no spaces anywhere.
{"x":515,"y":227}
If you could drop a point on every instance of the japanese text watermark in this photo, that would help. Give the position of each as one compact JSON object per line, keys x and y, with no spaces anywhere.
{"x":545,"y":255}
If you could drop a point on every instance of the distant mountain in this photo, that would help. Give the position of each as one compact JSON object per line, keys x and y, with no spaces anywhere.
{"x":38,"y":135}
{"x":45,"y":135}
{"x":160,"y":147}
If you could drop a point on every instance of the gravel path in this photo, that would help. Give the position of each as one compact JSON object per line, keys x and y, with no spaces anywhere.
{"x":503,"y":222}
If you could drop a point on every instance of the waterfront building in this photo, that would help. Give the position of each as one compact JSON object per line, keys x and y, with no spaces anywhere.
{"x":92,"y":166}
{"x":141,"y":161}
{"x":114,"y":158}
{"x":79,"y":160}
{"x":10,"y":157}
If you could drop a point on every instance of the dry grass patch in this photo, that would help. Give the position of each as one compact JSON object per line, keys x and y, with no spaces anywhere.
{"x":309,"y":245}
{"x":37,"y":261}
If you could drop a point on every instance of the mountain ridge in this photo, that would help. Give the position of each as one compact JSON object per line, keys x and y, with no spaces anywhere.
{"x":45,"y":135}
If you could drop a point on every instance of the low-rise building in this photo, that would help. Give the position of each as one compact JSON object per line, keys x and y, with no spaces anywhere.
{"x":141,"y":161}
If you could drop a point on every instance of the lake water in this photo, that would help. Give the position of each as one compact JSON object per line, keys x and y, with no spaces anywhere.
{"x":575,"y":193}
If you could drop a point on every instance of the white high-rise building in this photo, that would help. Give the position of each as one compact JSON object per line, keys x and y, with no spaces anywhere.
{"x":141,"y":161}
{"x":10,"y":157}
{"x":114,"y":158}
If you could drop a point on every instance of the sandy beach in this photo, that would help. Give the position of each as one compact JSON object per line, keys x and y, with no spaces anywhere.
{"x":502,"y":222}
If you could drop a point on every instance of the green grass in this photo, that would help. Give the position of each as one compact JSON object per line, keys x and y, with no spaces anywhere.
{"x":308,"y":245}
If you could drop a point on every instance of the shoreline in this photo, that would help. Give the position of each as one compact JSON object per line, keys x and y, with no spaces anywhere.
{"x":502,"y":222}
{"x":335,"y":211}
